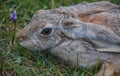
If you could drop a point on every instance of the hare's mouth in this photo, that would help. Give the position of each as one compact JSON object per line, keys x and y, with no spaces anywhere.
{"x":31,"y":45}
{"x":27,"y":45}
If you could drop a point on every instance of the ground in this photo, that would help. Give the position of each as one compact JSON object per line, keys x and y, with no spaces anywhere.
{"x":19,"y":61}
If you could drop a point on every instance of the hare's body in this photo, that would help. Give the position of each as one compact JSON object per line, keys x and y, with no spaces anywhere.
{"x":81,"y":34}
{"x":83,"y":54}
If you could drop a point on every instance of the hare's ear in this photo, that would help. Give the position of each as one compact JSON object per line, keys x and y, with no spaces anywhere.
{"x":101,"y":37}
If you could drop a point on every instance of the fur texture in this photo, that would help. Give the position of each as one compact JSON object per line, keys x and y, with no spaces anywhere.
{"x":81,"y":34}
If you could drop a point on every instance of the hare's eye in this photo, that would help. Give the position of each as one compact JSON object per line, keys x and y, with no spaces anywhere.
{"x":46,"y":31}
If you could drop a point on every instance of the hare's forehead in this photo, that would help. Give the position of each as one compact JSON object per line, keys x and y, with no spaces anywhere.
{"x":47,"y":18}
{"x":44,"y":23}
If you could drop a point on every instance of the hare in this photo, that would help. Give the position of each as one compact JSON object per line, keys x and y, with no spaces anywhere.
{"x":82,"y":34}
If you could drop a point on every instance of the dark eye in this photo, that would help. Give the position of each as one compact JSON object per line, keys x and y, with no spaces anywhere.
{"x":46,"y":31}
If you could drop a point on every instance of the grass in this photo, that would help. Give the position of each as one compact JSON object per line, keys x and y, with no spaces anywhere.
{"x":20,"y":61}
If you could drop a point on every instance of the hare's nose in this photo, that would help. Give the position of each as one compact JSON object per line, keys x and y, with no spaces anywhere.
{"x":21,"y":36}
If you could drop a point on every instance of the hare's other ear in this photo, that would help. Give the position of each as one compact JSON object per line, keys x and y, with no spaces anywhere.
{"x":94,"y":16}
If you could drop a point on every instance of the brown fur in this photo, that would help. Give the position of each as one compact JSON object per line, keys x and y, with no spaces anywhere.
{"x":82,"y":34}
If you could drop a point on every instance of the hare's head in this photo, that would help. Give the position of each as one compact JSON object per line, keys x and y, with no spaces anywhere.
{"x":45,"y":30}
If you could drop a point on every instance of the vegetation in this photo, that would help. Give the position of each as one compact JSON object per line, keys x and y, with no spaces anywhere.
{"x":18,"y":61}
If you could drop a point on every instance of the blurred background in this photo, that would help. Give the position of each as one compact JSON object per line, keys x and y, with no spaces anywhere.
{"x":18,"y":61}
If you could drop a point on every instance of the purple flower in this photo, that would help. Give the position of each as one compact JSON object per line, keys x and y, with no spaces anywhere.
{"x":13,"y":16}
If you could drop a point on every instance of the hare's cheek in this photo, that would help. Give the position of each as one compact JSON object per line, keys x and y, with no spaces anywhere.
{"x":27,"y":45}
